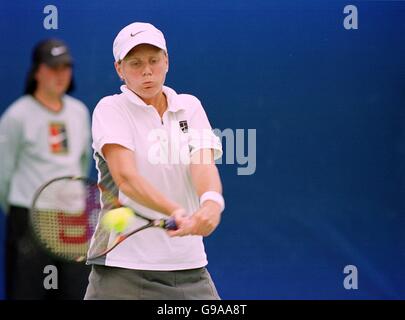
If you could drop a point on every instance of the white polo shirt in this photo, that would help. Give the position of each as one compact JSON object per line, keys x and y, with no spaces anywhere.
{"x":162,"y":148}
{"x":37,"y":145}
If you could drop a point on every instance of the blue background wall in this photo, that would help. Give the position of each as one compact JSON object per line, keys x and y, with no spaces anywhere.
{"x":329,"y":108}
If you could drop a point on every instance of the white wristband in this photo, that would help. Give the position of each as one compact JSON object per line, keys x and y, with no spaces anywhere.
{"x":214,"y":196}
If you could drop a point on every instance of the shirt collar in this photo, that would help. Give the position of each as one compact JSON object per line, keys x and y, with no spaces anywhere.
{"x":173,"y":103}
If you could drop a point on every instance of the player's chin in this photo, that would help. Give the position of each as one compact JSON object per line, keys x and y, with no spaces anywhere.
{"x":149,"y":92}
{"x":60,"y":90}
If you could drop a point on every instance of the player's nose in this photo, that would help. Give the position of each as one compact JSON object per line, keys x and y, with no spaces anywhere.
{"x":147,"y":71}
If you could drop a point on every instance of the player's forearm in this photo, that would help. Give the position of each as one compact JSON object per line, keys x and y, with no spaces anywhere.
{"x":137,"y":188}
{"x":205,"y":176}
{"x":122,"y":166}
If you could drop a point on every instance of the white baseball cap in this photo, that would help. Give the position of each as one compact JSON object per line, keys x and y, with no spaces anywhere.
{"x":134,"y":34}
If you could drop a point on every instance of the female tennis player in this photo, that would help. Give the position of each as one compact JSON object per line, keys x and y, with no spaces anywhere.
{"x":155,"y":149}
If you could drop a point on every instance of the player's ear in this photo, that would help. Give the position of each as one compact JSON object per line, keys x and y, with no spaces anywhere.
{"x":118,"y":68}
{"x":166,"y":60}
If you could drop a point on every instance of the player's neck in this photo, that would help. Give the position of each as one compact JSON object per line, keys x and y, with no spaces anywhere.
{"x":50,"y":101}
{"x":159,"y":102}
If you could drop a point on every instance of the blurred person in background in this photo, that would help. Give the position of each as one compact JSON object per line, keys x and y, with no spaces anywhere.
{"x":43,"y":135}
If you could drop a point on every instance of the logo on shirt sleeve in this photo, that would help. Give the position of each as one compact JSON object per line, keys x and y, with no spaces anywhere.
{"x":183,"y":126}
{"x":58,"y":139}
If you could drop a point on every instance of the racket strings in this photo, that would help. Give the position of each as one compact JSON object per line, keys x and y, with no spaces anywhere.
{"x":65,"y":217}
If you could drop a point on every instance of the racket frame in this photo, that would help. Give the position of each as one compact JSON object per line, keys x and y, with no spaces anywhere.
{"x":168,"y":224}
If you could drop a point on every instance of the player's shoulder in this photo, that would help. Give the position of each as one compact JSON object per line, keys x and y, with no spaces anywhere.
{"x":189,"y":100}
{"x":186,"y":101}
{"x":107,"y":102}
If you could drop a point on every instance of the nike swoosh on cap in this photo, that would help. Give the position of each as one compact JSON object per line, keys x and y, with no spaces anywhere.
{"x":57,"y":51}
{"x":134,"y":34}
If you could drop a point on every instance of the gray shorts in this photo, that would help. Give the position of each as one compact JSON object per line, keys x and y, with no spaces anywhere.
{"x":126,"y":284}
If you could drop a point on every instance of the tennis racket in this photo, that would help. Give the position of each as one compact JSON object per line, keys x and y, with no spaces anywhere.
{"x":65,"y":213}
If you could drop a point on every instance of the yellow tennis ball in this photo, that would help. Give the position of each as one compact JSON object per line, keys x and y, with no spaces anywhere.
{"x":117,"y":219}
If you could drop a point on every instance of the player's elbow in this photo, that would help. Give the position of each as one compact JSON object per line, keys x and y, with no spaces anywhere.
{"x":131,"y":184}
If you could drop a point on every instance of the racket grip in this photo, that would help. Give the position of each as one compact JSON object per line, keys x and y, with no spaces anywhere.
{"x":170,"y":224}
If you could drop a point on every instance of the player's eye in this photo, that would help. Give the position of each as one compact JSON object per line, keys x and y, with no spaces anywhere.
{"x":134,"y":63}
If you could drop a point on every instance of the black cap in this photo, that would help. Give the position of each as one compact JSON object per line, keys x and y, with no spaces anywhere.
{"x":52,"y":52}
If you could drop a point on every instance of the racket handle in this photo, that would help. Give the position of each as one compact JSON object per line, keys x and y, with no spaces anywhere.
{"x":170,"y":224}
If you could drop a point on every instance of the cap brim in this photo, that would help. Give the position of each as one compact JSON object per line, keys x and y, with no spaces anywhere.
{"x":60,"y":60}
{"x":139,"y":39}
